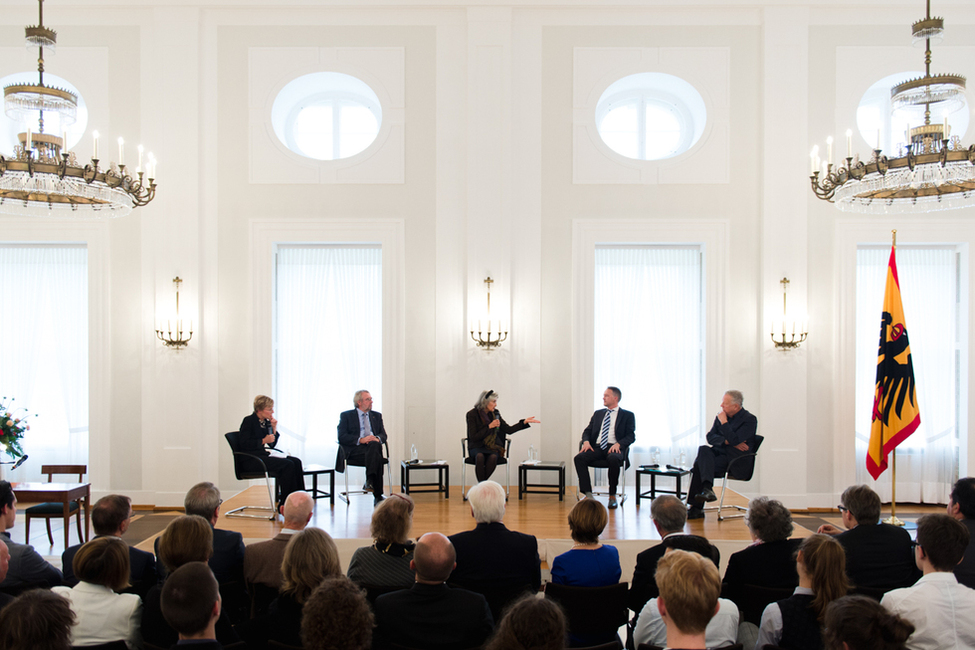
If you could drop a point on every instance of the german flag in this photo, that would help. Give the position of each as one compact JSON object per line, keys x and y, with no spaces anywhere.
{"x":895,"y":411}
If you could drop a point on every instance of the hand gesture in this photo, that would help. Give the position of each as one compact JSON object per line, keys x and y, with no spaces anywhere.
{"x":532,"y":420}
{"x":494,"y":424}
{"x":829,"y":529}
{"x":268,"y":439}
{"x":615,"y":449}
{"x":741,"y":446}
{"x":586,"y":447}
{"x":722,"y":417}
{"x":274,"y":424}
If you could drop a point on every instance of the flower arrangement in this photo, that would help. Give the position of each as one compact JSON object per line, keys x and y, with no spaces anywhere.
{"x":12,"y":428}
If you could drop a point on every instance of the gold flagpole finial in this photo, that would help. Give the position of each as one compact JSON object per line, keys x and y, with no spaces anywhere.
{"x":893,"y":238}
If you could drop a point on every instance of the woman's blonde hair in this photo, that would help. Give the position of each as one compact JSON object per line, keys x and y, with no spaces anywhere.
{"x":309,"y":558}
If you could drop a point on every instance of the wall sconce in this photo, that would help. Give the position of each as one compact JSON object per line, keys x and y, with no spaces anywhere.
{"x":174,"y":338}
{"x":789,"y":333}
{"x":488,"y":343}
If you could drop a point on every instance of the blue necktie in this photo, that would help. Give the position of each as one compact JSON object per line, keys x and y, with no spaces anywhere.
{"x":604,"y":434}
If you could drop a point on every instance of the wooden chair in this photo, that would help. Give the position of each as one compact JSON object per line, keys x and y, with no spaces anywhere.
{"x":49,"y":511}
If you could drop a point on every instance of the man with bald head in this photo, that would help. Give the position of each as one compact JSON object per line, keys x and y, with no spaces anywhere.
{"x":432,"y":615}
{"x":262,"y":561}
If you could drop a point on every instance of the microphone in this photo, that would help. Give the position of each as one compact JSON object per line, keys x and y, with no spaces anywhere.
{"x":16,"y":463}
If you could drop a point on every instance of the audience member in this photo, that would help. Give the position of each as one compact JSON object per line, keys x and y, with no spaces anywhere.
{"x":5,"y":599}
{"x":102,"y":614}
{"x":26,"y":568}
{"x":722,"y":629}
{"x":941,"y":609}
{"x":861,"y":623}
{"x":188,"y":538}
{"x":795,"y":622}
{"x":589,"y":563}
{"x":961,"y":506}
{"x":607,"y":437}
{"x":110,"y":517}
{"x":262,"y":561}
{"x":432,"y":615}
{"x":531,"y":623}
{"x":499,"y":563}
{"x":878,"y":556}
{"x":191,"y":604}
{"x":486,"y":434}
{"x":669,"y":516}
{"x":689,"y":589}
{"x":337,"y":617}
{"x":768,"y":562}
{"x":38,"y":620}
{"x":386,"y":564}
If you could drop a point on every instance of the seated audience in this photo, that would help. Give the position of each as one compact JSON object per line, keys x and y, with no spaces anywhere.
{"x":589,"y":563}
{"x":5,"y":599}
{"x":669,"y":516}
{"x":961,"y":506}
{"x":37,"y":620}
{"x":531,"y":623}
{"x":386,"y":564}
{"x":309,"y":558}
{"x":432,"y":615}
{"x":262,"y":561}
{"x":722,"y":629}
{"x":795,"y":622}
{"x":769,"y":561}
{"x":499,"y":563}
{"x":110,"y":517}
{"x":102,"y":614}
{"x":941,"y":609}
{"x":689,"y":590}
{"x":191,"y":604}
{"x":26,"y":568}
{"x":878,"y":556}
{"x":337,"y":617}
{"x":188,"y":538}
{"x":861,"y":623}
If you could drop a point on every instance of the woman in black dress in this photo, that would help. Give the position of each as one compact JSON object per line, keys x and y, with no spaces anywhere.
{"x":486,"y":431}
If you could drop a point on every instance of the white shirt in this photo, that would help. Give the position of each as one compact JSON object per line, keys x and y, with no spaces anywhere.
{"x":770,"y":631}
{"x":941,"y":609}
{"x":101,"y":615}
{"x":722,"y":630}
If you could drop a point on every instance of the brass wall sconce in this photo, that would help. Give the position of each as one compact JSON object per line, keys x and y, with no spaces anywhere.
{"x":788,"y":334}
{"x":174,"y":338}
{"x":488,"y":343}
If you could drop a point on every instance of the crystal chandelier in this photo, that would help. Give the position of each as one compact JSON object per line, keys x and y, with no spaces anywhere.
{"x":43,"y":178}
{"x":930,"y":172}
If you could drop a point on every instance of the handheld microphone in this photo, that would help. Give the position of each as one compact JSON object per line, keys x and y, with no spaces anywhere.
{"x":16,"y":463}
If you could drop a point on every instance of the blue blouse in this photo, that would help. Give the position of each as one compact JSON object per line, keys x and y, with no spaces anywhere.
{"x":587,"y":568}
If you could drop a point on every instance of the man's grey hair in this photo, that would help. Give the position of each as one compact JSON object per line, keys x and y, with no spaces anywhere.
{"x":669,"y":513}
{"x":202,"y":499}
{"x":735,"y":396}
{"x":357,"y":397}
{"x":486,"y":398}
{"x":487,"y":502}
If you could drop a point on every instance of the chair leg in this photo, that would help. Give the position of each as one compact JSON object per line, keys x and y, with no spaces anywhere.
{"x":507,"y":480}
{"x":50,"y":536}
{"x":272,"y":511}
{"x":463,"y":480}
{"x":81,"y":536}
{"x":27,"y":531}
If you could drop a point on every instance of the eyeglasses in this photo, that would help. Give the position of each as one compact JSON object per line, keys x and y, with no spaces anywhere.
{"x":915,"y":543}
{"x":842,"y":508}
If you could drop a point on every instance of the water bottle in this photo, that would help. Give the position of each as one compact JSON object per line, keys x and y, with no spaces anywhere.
{"x":532,"y":454}
{"x":413,"y":455}
{"x":683,"y":459}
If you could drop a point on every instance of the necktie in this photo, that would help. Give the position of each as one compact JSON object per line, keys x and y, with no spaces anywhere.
{"x":604,"y":434}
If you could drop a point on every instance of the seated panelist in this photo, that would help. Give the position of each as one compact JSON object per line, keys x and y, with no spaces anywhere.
{"x":259,"y":429}
{"x":361,"y":435}
{"x":608,"y":437}
{"x":486,"y":431}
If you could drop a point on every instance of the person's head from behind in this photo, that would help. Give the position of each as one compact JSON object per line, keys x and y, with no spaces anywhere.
{"x":689,"y":588}
{"x":669,"y":514}
{"x":203,"y":499}
{"x":310,"y":557}
{"x":962,"y":499}
{"x":103,"y":561}
{"x":823,"y":560}
{"x":942,"y":541}
{"x":861,"y":623}
{"x":392,"y":519}
{"x":434,"y":558}
{"x":336,"y":616}
{"x":298,"y":509}
{"x":37,"y":620}
{"x":587,"y":520}
{"x":531,"y":623}
{"x":110,"y":515}
{"x":768,"y":520}
{"x":862,"y":503}
{"x":487,"y":502}
{"x":190,"y":599}
{"x":8,"y":506}
{"x":188,"y":538}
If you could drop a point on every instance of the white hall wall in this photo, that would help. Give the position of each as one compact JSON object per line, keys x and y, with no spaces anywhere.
{"x":488,"y":189}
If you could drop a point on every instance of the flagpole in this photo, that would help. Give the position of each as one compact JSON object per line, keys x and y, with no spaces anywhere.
{"x":892,"y":519}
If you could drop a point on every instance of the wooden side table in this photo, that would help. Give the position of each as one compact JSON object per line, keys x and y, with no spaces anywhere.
{"x":443,"y":476}
{"x":653,"y":473}
{"x":314,"y":471}
{"x":543,"y":466}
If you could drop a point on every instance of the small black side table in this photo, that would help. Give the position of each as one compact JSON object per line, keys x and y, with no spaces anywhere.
{"x":542,"y":466}
{"x":653,"y":473}
{"x":443,"y":476}
{"x":314,"y":471}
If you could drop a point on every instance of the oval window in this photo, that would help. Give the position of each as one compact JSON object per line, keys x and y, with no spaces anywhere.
{"x":326,"y":115}
{"x":10,"y":128}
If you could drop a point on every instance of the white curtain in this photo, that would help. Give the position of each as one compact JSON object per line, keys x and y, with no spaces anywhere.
{"x":44,"y":351}
{"x":649,"y":342}
{"x":927,"y":462}
{"x":328,"y":341}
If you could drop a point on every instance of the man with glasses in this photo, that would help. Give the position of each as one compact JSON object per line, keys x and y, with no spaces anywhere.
{"x":961,"y":506}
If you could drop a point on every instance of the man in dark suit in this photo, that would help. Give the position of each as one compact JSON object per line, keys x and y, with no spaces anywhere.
{"x":361,"y":434}
{"x":259,"y":429}
{"x":25,"y":567}
{"x":432,"y":615}
{"x":110,"y":517}
{"x":608,"y":437}
{"x":669,"y":516}
{"x":731,"y":436}
{"x":878,"y":556}
{"x":190,"y":602}
{"x":961,"y":506}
